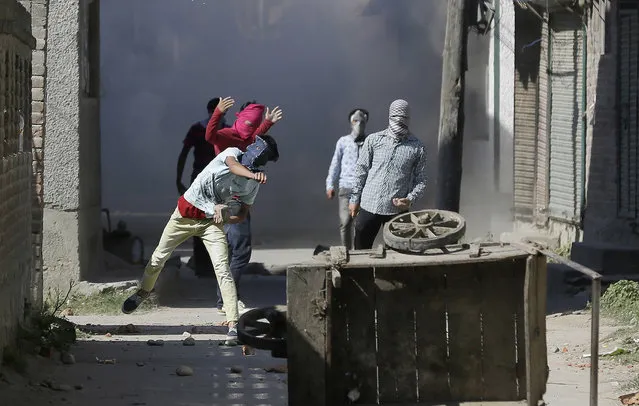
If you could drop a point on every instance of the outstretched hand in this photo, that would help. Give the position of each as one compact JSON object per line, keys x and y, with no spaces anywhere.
{"x":274,"y":115}
{"x":225,"y":104}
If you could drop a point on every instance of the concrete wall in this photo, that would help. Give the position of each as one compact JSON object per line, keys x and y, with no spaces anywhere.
{"x":500,"y":91}
{"x":488,"y":163}
{"x":484,"y":204}
{"x":72,"y":234}
{"x":16,"y":254}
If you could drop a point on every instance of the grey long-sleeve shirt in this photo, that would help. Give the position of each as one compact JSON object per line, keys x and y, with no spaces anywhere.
{"x":389,"y":168}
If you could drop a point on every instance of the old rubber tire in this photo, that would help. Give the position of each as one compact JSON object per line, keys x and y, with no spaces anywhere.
{"x":276,"y":344}
{"x":420,"y":245}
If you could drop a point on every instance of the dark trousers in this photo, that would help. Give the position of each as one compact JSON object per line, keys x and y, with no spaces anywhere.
{"x":239,"y":243}
{"x":201,"y":258}
{"x":367,"y":226}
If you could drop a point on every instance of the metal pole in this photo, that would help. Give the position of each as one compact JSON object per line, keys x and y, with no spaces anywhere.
{"x":451,"y":118}
{"x":595,"y":302}
{"x":594,"y":341}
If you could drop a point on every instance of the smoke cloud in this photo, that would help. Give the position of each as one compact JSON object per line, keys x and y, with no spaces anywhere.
{"x":162,"y":60}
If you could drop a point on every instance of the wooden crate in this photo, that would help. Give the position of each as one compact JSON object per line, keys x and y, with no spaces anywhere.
{"x":419,"y":330}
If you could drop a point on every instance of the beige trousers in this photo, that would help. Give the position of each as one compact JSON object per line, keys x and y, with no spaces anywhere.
{"x":180,"y":229}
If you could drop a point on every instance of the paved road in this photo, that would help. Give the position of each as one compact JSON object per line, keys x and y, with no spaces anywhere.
{"x":144,"y":375}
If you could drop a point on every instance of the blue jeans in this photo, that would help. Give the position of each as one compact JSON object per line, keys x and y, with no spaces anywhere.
{"x":239,"y":243}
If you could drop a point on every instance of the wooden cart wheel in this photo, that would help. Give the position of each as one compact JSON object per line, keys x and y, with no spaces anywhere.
{"x":264,"y":329}
{"x":418,"y":231}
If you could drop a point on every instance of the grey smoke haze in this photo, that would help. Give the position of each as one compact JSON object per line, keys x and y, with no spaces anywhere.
{"x":162,"y":60}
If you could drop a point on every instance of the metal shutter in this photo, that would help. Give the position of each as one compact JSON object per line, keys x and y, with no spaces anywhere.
{"x":527,"y":30}
{"x":566,"y":84}
{"x":628,"y":125}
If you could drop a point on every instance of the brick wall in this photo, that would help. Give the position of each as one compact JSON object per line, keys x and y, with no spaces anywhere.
{"x":16,"y":254}
{"x":39,"y":11}
{"x":602,"y":223}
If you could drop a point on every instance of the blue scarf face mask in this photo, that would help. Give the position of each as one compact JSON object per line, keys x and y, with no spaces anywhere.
{"x":257,"y":155}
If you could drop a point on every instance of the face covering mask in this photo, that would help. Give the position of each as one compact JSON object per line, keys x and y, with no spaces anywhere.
{"x":248,"y":120}
{"x":257,"y":155}
{"x":398,"y":119}
{"x":358,"y":126}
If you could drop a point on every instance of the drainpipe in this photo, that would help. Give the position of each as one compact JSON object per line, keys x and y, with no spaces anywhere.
{"x":496,"y":107}
{"x":584,"y":118}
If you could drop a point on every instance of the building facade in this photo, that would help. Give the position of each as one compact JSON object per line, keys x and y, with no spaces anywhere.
{"x":574,"y":120}
{"x":66,"y":139}
{"x":19,"y":288}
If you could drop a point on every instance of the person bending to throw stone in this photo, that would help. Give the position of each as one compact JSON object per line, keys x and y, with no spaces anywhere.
{"x":222,"y":193}
{"x":248,"y":125}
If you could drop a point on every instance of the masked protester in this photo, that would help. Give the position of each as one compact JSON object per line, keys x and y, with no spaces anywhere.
{"x":221,"y":194}
{"x":247,"y":126}
{"x":390,"y":175}
{"x":341,"y":172}
{"x":203,"y":153}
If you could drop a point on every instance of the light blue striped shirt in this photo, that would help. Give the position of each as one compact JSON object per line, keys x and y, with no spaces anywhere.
{"x":341,"y":172}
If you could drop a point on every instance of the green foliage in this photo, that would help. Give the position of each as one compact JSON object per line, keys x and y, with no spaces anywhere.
{"x":44,"y":330}
{"x":621,"y":301}
{"x":562,"y":251}
{"x":106,"y":302}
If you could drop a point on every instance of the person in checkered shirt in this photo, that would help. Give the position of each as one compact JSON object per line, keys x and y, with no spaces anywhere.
{"x":390,"y":175}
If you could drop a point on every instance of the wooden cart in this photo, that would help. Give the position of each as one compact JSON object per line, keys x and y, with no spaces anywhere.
{"x":435,"y":329}
{"x":422,"y":324}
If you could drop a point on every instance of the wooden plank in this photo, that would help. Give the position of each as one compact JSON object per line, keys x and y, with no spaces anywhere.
{"x":498,"y":325}
{"x":306,"y":335}
{"x":463,"y":301}
{"x":519,"y":274}
{"x":396,"y":347}
{"x":358,"y":289}
{"x":430,"y":328}
{"x":352,"y":346}
{"x":337,"y":346}
{"x":494,"y":253}
{"x":541,"y":346}
{"x":535,"y":329}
